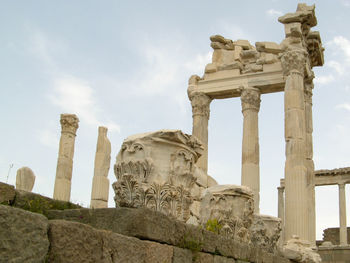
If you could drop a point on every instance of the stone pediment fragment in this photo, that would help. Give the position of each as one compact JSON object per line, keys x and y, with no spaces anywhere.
{"x":304,"y":14}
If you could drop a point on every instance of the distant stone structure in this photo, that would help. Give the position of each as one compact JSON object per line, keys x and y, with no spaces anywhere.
{"x":25,"y":179}
{"x":69,"y":124}
{"x":100,"y":183}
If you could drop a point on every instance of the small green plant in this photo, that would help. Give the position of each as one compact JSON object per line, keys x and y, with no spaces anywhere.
{"x":42,"y":206}
{"x":213,"y":226}
{"x":194,"y":245}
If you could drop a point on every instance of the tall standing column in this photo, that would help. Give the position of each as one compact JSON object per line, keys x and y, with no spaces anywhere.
{"x":100,"y":182}
{"x":200,"y":114}
{"x":343,"y":235}
{"x":309,"y":160}
{"x":281,"y":211}
{"x":250,"y":99}
{"x":296,"y":194}
{"x":69,"y":124}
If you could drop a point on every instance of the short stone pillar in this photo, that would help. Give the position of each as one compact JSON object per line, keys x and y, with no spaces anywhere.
{"x":25,"y":179}
{"x":200,"y":114}
{"x":296,"y":190}
{"x":100,"y":183}
{"x":69,"y":124}
{"x":343,"y":235}
{"x":250,"y":98}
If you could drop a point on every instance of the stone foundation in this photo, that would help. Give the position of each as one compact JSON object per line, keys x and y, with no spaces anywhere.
{"x":116,"y":235}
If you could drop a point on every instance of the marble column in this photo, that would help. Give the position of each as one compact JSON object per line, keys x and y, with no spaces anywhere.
{"x":281,"y":211}
{"x":296,"y":190}
{"x":343,"y":235}
{"x":100,"y":182}
{"x":250,"y":99}
{"x":69,"y":124}
{"x":200,"y":113}
{"x":309,"y":160}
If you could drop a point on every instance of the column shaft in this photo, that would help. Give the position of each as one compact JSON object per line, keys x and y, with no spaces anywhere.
{"x":100,"y":182}
{"x":250,"y":99}
{"x":281,"y":211}
{"x":309,"y":162}
{"x":200,"y":114}
{"x":342,"y":216}
{"x":69,"y":124}
{"x":296,"y":195}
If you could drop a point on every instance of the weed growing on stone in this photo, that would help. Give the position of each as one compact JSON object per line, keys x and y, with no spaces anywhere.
{"x":213,"y":226}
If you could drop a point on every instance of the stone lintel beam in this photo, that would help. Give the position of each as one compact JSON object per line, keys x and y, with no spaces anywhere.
{"x":229,"y":87}
{"x":322,"y":180}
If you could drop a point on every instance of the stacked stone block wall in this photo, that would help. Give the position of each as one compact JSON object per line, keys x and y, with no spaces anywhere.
{"x":113,"y":235}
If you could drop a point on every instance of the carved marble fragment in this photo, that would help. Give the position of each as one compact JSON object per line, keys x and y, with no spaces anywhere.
{"x":25,"y":179}
{"x":157,"y":170}
{"x":233,"y":208}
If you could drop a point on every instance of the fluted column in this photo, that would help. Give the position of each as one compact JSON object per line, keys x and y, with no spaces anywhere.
{"x":296,"y":190}
{"x":343,"y":235}
{"x":200,"y":114}
{"x":250,"y":99}
{"x":309,"y":160}
{"x":100,"y":182}
{"x":69,"y":124}
{"x":281,"y":210}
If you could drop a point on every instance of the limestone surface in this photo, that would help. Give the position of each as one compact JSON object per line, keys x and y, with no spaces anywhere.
{"x":23,"y":236}
{"x":69,"y":124}
{"x":100,"y":183}
{"x":157,"y":170}
{"x":7,"y":193}
{"x":232,"y":206}
{"x":25,"y":179}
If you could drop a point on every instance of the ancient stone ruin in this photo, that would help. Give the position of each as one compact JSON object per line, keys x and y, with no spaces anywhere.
{"x":168,"y":209}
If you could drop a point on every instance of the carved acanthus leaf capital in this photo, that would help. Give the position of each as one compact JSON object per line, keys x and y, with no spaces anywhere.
{"x":250,"y":99}
{"x":69,"y":123}
{"x":200,"y":104}
{"x":294,"y":61}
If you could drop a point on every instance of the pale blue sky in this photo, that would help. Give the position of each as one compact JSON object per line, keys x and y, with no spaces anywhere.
{"x":125,"y":65}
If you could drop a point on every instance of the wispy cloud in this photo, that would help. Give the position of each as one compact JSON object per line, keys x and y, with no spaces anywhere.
{"x":345,"y":106}
{"x":48,"y":138}
{"x":322,"y":80}
{"x":197,"y":65}
{"x":345,"y":3}
{"x":74,"y":95}
{"x":343,"y":44}
{"x":336,"y":66}
{"x":70,"y":93}
{"x":274,"y":13}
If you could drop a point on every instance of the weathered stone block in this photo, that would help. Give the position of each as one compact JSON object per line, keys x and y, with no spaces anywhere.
{"x":23,"y":236}
{"x":219,"y":259}
{"x":7,"y":193}
{"x":140,"y":223}
{"x":203,"y":258}
{"x":39,"y":204}
{"x":182,"y":255}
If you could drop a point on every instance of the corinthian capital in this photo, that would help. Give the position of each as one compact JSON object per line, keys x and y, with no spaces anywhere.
{"x":69,"y":123}
{"x":200,"y":104}
{"x":250,"y":99}
{"x":294,"y":61}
